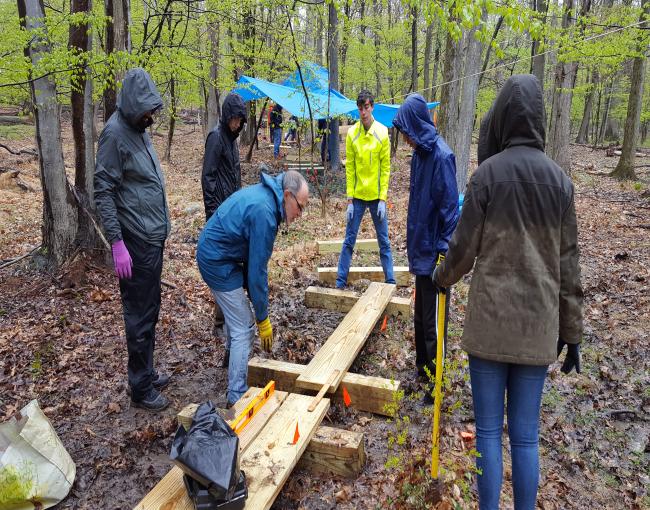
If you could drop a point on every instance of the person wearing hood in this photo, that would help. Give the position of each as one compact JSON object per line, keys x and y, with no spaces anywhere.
{"x":221,"y":175}
{"x":276,"y":129}
{"x":518,"y":231}
{"x":131,"y":202}
{"x":432,"y":217}
{"x":367,"y":174}
{"x":241,"y":234}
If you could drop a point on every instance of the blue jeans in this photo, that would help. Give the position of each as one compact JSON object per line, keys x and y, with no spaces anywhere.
{"x":277,"y":138}
{"x":240,"y":333}
{"x":523,"y":384}
{"x":351,"y":230}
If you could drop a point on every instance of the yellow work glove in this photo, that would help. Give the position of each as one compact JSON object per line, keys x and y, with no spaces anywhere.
{"x":266,"y":334}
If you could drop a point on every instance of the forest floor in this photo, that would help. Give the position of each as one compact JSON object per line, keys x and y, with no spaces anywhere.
{"x":61,"y":342}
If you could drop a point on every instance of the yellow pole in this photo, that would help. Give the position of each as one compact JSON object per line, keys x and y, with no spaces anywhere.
{"x":435,"y":439}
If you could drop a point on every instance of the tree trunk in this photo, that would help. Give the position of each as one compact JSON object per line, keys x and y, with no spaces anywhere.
{"x":488,"y":52}
{"x":559,"y":130}
{"x":117,"y":39}
{"x":213,"y":107}
{"x":377,"y":12}
{"x":172,"y":119}
{"x":59,"y":214}
{"x":428,"y":43}
{"x":583,"y":132}
{"x":83,"y":126}
{"x":468,"y":106}
{"x":333,"y":39}
{"x":538,"y":61}
{"x":434,"y":78}
{"x":625,"y":167}
{"x":414,"y":49}
{"x":609,"y":90}
{"x":319,"y":37}
{"x":450,"y":94}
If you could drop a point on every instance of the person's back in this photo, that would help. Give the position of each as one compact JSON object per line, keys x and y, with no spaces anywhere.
{"x":518,"y":230}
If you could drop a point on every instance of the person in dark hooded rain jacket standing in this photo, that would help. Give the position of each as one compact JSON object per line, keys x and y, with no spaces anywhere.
{"x":518,"y":230}
{"x":221,"y":175}
{"x":432,"y":217}
{"x":130,"y":198}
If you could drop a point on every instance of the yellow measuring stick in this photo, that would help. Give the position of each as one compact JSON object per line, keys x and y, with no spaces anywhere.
{"x":251,"y":409}
{"x":435,"y":450}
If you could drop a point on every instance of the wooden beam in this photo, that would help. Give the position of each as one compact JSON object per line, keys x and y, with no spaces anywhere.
{"x":271,"y":457}
{"x":335,"y":452}
{"x":344,"y":344}
{"x":335,"y":246}
{"x":331,"y":451}
{"x":343,"y":300}
{"x":368,"y":393}
{"x":170,"y":494}
{"x":374,"y":274}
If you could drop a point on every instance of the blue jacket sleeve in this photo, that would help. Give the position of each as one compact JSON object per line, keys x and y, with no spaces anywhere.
{"x":448,"y":201}
{"x":262,"y":230}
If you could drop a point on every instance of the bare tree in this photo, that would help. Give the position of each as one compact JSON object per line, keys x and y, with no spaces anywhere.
{"x":117,"y":39}
{"x":83,"y":128}
{"x":333,"y":58}
{"x":625,"y":167}
{"x":59,"y":214}
{"x":538,"y":62}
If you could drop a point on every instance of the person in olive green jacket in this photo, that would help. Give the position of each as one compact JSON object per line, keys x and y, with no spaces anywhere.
{"x":518,"y":230}
{"x":367,"y":171}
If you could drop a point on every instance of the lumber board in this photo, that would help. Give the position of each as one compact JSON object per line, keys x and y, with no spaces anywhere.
{"x":367,"y":393}
{"x":170,"y":494}
{"x":335,"y":245}
{"x":331,"y":451}
{"x":335,"y":452}
{"x":271,"y":457}
{"x":345,"y":343}
{"x":341,"y":300}
{"x":374,"y":274}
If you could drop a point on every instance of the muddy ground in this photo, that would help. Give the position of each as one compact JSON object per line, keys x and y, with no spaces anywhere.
{"x":61,"y":341}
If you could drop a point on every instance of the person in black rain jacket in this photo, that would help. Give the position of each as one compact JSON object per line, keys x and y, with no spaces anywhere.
{"x":221,"y":175}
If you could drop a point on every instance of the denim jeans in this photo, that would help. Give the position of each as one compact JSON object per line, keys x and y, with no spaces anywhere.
{"x":240,"y":333}
{"x":523,"y":385}
{"x":277,"y":138}
{"x":351,"y":230}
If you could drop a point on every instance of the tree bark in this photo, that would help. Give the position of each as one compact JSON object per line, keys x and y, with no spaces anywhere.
{"x":468,"y":105}
{"x":117,"y":39}
{"x":333,"y":57}
{"x":450,"y":92}
{"x":377,"y":12}
{"x":172,"y":119}
{"x":213,"y":106}
{"x":625,"y":167}
{"x":538,"y":62}
{"x":414,"y":49}
{"x":583,"y":132}
{"x":428,"y":44}
{"x":83,"y":125}
{"x":59,"y":213}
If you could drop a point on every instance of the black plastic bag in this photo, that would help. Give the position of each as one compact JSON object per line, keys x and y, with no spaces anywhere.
{"x":209,"y":452}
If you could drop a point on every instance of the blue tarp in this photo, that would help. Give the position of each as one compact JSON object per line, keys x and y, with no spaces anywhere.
{"x":292,"y":98}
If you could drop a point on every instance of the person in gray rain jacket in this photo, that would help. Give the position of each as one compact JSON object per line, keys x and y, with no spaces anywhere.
{"x":131,"y":202}
{"x":518,"y":231}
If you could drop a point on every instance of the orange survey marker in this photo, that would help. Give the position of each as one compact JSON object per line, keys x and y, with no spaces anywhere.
{"x":247,"y":414}
{"x":384,"y":324}
{"x":296,"y":435}
{"x":346,"y":397}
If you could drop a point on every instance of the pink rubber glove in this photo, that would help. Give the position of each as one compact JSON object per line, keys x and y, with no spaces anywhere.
{"x":122,"y":260}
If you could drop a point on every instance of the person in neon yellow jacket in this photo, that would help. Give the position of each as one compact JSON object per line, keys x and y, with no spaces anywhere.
{"x":367,"y":169}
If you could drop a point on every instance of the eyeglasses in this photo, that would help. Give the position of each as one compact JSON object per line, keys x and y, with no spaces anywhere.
{"x":297,"y":203}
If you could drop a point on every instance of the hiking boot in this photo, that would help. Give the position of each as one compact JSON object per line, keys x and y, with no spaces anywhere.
{"x":152,"y":401}
{"x":159,"y":381}
{"x":226,"y":359}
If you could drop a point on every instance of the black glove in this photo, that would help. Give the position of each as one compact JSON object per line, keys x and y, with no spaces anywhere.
{"x":439,"y":288}
{"x":572,"y":359}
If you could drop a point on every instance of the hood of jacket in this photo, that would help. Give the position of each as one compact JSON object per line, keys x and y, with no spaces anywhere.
{"x":413,"y":119}
{"x":275,"y":185}
{"x":233,"y":106}
{"x":517,"y":117}
{"x":138,"y":95}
